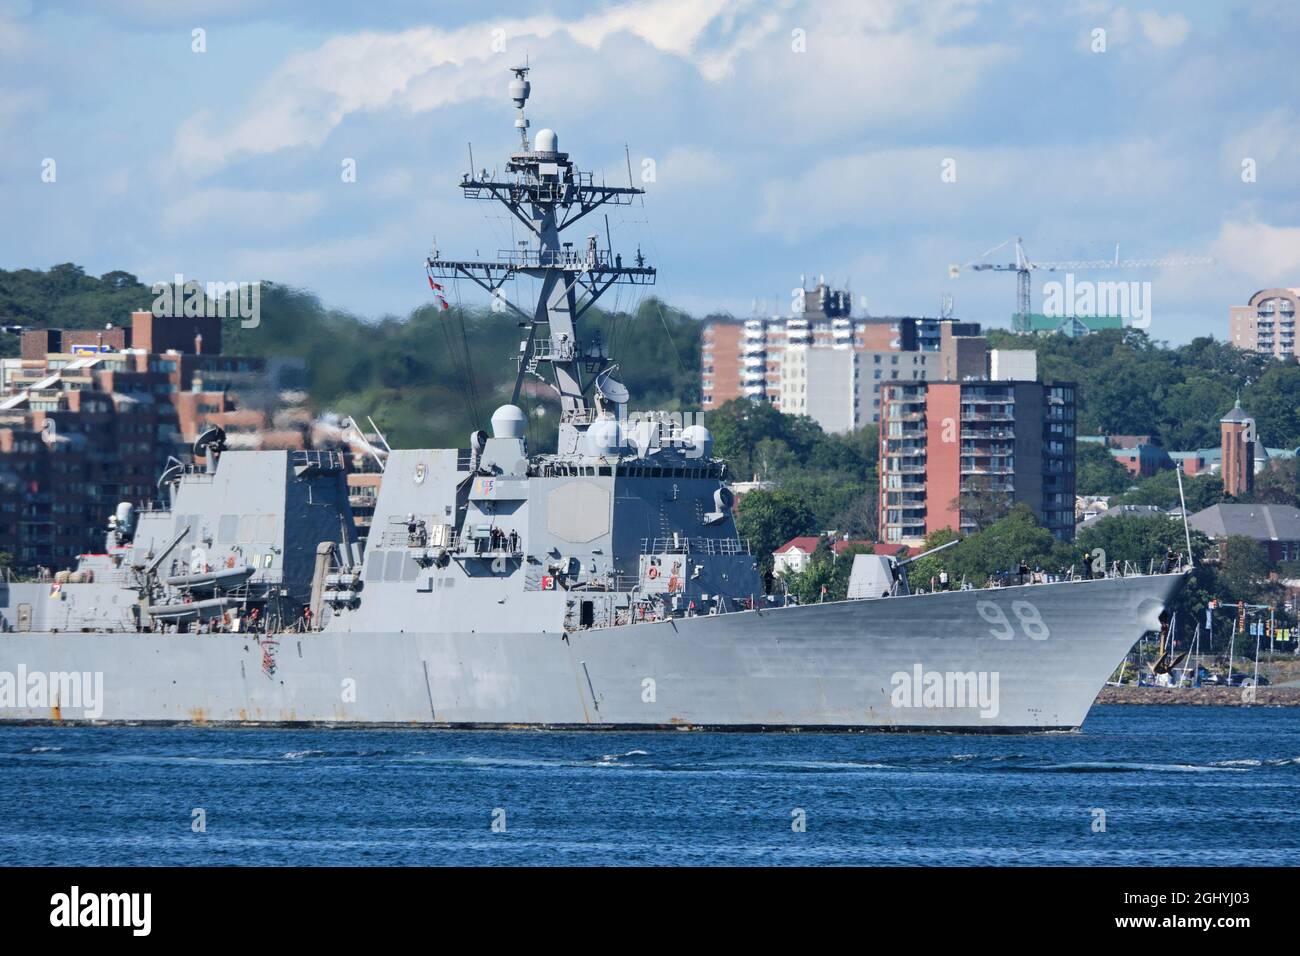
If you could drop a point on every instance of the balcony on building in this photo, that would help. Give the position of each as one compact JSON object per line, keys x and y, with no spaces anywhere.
{"x":988,"y":413}
{"x":904,"y":466}
{"x":901,"y":499}
{"x":990,"y":433}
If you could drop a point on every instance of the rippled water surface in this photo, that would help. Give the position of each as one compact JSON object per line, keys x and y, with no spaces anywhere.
{"x":1178,"y":785}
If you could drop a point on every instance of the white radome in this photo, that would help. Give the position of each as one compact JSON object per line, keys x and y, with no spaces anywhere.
{"x":509,"y":421}
{"x":699,"y":437}
{"x":604,"y":438}
{"x":547,"y":141}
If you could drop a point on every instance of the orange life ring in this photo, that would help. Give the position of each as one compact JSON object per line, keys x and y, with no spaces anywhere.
{"x":230,"y":561}
{"x":652,"y":573}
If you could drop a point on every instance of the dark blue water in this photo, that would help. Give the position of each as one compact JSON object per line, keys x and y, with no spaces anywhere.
{"x":1179,"y":785}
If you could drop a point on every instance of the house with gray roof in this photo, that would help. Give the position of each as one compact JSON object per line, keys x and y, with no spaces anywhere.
{"x":1126,"y":511}
{"x":1277,"y":527}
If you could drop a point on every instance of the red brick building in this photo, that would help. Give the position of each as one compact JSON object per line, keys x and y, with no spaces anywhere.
{"x":89,"y":418}
{"x":941,"y":442}
{"x":1237,"y":431}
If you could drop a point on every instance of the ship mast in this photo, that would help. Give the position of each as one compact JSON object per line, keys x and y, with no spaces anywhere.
{"x":543,"y":190}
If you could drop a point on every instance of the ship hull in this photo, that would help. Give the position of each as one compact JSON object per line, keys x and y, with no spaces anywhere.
{"x":1017,"y":659}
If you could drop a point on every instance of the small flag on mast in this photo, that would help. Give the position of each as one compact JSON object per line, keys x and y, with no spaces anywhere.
{"x":433,"y":285}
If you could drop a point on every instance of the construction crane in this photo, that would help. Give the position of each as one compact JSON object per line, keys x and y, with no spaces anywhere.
{"x":1024,"y":266}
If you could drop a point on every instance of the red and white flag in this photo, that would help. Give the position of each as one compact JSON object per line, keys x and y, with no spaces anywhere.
{"x":433,"y":285}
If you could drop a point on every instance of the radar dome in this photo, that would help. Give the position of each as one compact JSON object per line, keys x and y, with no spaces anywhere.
{"x":509,"y":421}
{"x":698,"y":438}
{"x":603,"y":439}
{"x":546,"y":141}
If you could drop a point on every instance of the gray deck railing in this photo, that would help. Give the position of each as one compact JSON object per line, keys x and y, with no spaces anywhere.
{"x":683,"y":544}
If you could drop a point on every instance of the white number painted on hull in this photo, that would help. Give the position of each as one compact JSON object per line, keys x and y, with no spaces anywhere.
{"x":1031,"y":622}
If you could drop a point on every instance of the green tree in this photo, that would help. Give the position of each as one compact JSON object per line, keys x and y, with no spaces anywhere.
{"x":980,"y":504}
{"x":1141,"y":541}
{"x":1273,"y":400}
{"x":860,"y":517}
{"x":1161,"y":490}
{"x":922,"y":571}
{"x":1131,"y":384}
{"x":772,"y":458}
{"x":825,"y":570}
{"x":771,"y":518}
{"x":1192,"y":409}
{"x":1097,"y":472}
{"x":1003,"y":545}
{"x":806,"y":585}
{"x":1244,"y":568}
{"x":658,"y":351}
{"x":827,"y":497}
{"x":1277,"y":484}
{"x":760,"y":441}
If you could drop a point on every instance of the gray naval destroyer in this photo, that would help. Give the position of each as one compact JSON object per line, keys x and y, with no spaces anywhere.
{"x":602,"y":586}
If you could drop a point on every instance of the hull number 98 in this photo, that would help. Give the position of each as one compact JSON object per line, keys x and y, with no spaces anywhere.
{"x":1031,"y":622}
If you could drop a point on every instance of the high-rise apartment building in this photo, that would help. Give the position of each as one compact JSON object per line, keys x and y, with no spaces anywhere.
{"x":1266,"y":324}
{"x":950,"y":451}
{"x":828,"y":365}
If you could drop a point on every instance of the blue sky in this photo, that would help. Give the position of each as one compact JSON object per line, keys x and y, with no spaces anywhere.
{"x":769,"y":162}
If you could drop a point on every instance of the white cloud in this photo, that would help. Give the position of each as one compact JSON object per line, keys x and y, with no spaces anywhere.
{"x":313,"y":92}
{"x":1123,"y":26}
{"x":904,"y":187}
{"x":866,"y":66}
{"x":1269,"y":139}
{"x":265,"y":210}
{"x":859,"y":57}
{"x":1164,"y":32}
{"x":692,"y":166}
{"x":1269,"y":255}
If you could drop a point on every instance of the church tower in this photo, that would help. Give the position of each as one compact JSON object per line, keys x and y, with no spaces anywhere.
{"x":1237,"y":431}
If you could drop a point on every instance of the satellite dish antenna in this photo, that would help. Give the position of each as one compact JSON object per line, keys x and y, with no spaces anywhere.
{"x":610,"y":388}
{"x":171,"y":473}
{"x":214,"y":438}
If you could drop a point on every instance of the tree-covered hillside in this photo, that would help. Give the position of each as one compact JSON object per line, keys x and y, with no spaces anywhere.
{"x":411,"y":368}
{"x":64,"y":297}
{"x":411,"y":373}
{"x":1130,"y":384}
